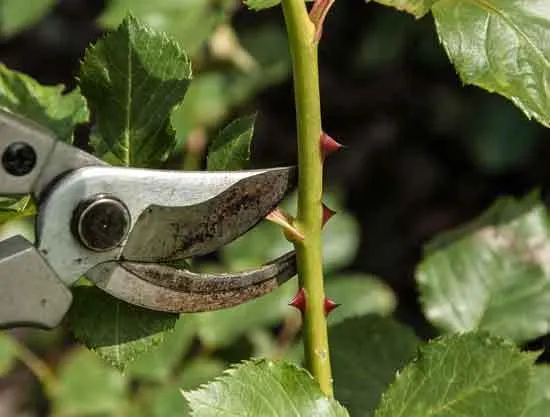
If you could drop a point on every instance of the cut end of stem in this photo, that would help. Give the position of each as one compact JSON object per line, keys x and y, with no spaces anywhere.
{"x":286,"y":221}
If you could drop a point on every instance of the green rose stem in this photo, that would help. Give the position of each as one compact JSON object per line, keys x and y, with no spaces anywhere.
{"x":303,"y":48}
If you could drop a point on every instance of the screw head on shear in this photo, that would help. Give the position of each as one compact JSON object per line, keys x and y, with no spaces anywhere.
{"x":101,"y":223}
{"x":18,"y":159}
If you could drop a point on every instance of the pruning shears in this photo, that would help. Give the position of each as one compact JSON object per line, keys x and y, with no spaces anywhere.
{"x":123,"y":228}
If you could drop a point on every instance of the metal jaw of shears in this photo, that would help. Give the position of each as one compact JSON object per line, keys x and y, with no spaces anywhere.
{"x":122,"y":227}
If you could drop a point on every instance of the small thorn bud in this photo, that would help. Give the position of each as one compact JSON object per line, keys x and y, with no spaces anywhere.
{"x":286,"y":221}
{"x":299,"y":301}
{"x":327,"y":214}
{"x":329,"y":145}
{"x":330,"y":305}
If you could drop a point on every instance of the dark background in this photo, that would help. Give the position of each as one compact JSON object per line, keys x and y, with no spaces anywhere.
{"x":424,"y":154}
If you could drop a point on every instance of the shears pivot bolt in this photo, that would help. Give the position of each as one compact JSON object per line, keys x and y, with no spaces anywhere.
{"x":101,"y":223}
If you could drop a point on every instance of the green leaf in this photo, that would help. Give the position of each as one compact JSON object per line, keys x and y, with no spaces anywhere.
{"x":18,"y":15}
{"x":340,"y":237}
{"x":167,"y":402}
{"x":200,"y":371}
{"x":117,"y":331}
{"x":159,"y":363}
{"x":230,"y":151}
{"x":417,"y":8}
{"x":88,"y":387}
{"x":160,"y":401}
{"x":501,"y":46}
{"x":538,"y":400}
{"x":359,"y":295}
{"x":15,"y":208}
{"x":7,"y":354}
{"x":263,"y":388}
{"x":221,"y":328}
{"x":132,"y":79}
{"x":205,"y":105}
{"x":24,"y":227}
{"x":190,"y":22}
{"x":472,"y":375}
{"x":262,"y":4}
{"x":492,"y":274}
{"x":214,"y":94}
{"x":263,"y":243}
{"x":268,"y":46}
{"x":366,"y":353}
{"x":45,"y":105}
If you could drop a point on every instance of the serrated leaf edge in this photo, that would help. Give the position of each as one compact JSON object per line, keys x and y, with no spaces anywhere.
{"x":453,"y":338}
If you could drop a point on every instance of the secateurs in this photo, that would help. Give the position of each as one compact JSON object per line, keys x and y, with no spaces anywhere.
{"x":123,"y":227}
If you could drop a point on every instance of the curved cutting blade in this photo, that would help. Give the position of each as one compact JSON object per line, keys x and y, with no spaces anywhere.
{"x":164,"y":234}
{"x":164,"y":288}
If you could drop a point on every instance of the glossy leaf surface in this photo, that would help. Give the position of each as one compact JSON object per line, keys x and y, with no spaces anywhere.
{"x":132,"y":79}
{"x":492,"y":274}
{"x":18,"y":15}
{"x":263,"y":388}
{"x":501,"y":46}
{"x":230,"y":151}
{"x":366,"y":353}
{"x":117,"y":331}
{"x":49,"y":106}
{"x":472,"y":375}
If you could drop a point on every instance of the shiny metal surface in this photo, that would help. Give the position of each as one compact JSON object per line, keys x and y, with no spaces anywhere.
{"x":101,"y":223}
{"x":164,"y":288}
{"x":175,"y":214}
{"x":53,"y":158}
{"x":14,"y":129}
{"x":157,"y":217}
{"x":30,"y":292}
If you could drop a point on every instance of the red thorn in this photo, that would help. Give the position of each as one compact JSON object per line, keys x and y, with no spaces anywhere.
{"x":330,"y":305}
{"x":299,"y":301}
{"x":327,"y":214}
{"x":328,"y":145}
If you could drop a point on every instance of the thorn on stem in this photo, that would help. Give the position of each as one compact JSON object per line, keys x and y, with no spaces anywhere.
{"x":299,"y":301}
{"x":330,"y":306}
{"x":318,"y":14}
{"x":328,"y":145}
{"x":327,"y":214}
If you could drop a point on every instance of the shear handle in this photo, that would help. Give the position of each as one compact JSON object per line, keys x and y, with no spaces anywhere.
{"x":30,"y":292}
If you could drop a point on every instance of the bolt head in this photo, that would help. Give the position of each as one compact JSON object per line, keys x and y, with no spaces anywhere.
{"x":19,"y":159}
{"x":101,"y":223}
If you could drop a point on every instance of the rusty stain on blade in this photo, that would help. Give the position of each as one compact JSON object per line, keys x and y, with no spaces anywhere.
{"x":164,"y":288}
{"x":164,"y":234}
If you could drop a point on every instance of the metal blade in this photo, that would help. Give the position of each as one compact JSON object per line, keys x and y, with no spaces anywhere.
{"x":173,"y":214}
{"x":164,"y":288}
{"x":164,"y":234}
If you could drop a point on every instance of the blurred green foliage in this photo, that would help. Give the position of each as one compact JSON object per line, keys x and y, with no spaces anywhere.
{"x":231,"y":66}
